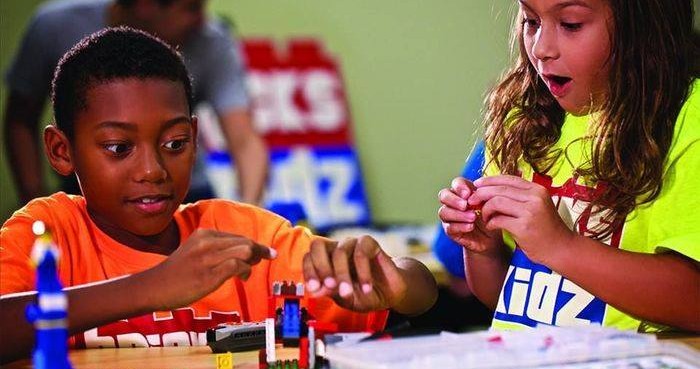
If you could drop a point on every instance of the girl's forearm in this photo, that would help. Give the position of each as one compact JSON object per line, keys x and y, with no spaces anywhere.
{"x":486,"y":274}
{"x":661,"y":288}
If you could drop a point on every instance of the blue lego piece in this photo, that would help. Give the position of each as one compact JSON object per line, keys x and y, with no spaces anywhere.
{"x":49,"y":315}
{"x":291,"y":320}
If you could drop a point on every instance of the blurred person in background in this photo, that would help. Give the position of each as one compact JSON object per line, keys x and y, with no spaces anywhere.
{"x":211,"y":54}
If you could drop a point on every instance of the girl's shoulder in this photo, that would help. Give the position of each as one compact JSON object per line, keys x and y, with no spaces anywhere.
{"x":689,"y":115}
{"x":687,"y":130}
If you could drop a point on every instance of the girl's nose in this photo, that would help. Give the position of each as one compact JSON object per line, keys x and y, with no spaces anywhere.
{"x":545,"y":46}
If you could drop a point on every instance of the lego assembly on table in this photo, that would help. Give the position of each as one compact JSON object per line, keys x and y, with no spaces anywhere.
{"x":288,"y":324}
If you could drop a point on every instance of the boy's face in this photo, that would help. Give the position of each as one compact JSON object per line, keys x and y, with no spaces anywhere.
{"x":133,"y":151}
{"x":568,"y":43}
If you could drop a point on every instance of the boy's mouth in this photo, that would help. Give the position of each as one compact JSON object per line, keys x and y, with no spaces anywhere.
{"x":558,"y":85}
{"x":151,"y":204}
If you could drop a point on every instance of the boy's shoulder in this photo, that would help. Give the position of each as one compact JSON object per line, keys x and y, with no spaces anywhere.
{"x":225,"y":214}
{"x":62,"y":214}
{"x":59,"y":205}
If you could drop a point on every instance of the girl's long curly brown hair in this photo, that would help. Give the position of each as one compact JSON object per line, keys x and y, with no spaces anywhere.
{"x":653,"y":60}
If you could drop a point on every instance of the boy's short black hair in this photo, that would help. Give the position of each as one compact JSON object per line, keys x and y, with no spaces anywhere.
{"x":108,"y":55}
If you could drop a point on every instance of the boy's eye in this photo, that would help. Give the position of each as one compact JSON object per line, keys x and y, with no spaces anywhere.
{"x":117,"y":149}
{"x":175,"y":145}
{"x":571,"y":26}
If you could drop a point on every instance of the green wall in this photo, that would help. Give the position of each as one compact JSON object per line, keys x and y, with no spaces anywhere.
{"x":416,"y":72}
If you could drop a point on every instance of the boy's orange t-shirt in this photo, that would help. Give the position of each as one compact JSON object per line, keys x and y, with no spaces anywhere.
{"x":89,"y":255}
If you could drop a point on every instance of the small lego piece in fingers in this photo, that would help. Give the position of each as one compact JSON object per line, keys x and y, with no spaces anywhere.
{"x":476,"y":208}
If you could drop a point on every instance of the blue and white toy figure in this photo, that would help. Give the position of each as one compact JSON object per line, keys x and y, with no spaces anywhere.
{"x":49,"y":315}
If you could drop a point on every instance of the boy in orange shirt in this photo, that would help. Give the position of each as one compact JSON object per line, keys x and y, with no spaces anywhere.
{"x":166,"y":272}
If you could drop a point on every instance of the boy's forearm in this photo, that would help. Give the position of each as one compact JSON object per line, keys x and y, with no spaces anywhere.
{"x":486,"y":274}
{"x":89,"y":306}
{"x":422,"y":292}
{"x":661,"y":288}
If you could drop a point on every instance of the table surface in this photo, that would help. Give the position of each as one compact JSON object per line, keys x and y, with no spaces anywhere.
{"x":199,"y":357}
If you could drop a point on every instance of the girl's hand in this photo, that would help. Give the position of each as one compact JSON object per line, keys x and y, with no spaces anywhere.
{"x":461,"y":219}
{"x":356,"y":273}
{"x":526,"y":211}
{"x":202,"y":264}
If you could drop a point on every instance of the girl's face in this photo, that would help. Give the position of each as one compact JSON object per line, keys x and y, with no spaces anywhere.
{"x":568,"y":43}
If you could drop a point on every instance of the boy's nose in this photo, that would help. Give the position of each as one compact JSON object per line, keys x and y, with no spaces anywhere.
{"x":545,"y":46}
{"x":150,"y":167}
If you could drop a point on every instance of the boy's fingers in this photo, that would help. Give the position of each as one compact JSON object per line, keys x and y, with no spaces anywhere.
{"x":249,"y":253}
{"x":320,"y":250}
{"x":366,"y":249}
{"x":312,"y":279}
{"x":262,"y":252}
{"x":390,"y":271}
{"x":341,"y":266}
{"x":232,"y":267}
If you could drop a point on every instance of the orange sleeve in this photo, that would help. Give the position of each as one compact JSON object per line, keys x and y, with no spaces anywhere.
{"x":58,"y":212}
{"x":16,"y":241}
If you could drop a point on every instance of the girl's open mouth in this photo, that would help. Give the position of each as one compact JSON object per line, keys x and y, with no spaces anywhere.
{"x":558,"y":85}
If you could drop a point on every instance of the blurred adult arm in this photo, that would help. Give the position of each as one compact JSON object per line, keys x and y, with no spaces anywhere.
{"x":224,"y":87}
{"x":28,"y":81}
{"x":21,"y":137}
{"x":248,"y":151}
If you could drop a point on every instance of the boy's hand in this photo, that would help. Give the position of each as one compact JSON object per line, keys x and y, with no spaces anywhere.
{"x":356,"y":273}
{"x":461,"y":219}
{"x":202,"y":264}
{"x":526,"y":211}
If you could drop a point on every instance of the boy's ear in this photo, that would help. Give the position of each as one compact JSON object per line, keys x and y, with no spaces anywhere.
{"x":58,"y":150}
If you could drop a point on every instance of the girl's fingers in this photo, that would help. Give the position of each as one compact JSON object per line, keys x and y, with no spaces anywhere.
{"x":501,"y":205}
{"x":447,"y":214}
{"x":503,"y":180}
{"x":449,"y":198}
{"x":484,"y":194}
{"x":455,"y":229}
{"x":462,"y":187}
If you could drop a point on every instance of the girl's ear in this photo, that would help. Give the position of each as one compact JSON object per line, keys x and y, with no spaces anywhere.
{"x":58,"y":150}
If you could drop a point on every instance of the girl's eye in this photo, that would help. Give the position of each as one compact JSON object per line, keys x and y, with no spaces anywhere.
{"x":571,"y":26}
{"x":176,"y":145}
{"x":531,"y":22}
{"x":117,"y":149}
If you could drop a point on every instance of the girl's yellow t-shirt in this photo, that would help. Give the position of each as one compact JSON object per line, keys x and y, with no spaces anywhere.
{"x":532,"y":294}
